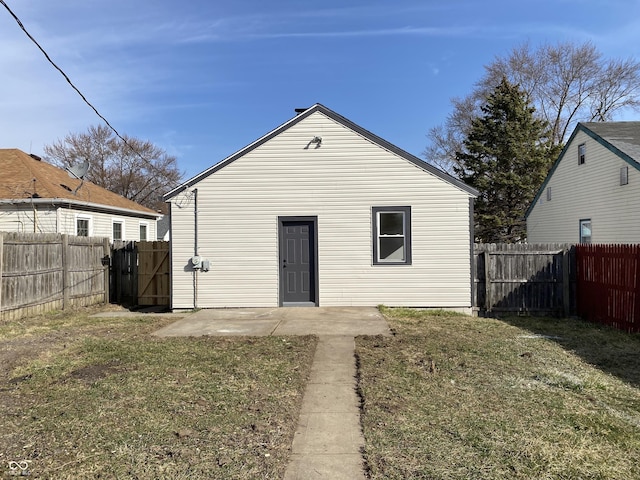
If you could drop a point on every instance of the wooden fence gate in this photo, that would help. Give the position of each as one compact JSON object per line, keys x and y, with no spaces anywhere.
{"x":140,"y":273}
{"x":523,"y":278}
{"x":153,"y":273}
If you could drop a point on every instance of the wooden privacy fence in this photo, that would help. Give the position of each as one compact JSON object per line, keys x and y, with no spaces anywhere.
{"x":608,"y":287}
{"x":140,"y":273}
{"x":523,"y":278}
{"x":42,"y":272}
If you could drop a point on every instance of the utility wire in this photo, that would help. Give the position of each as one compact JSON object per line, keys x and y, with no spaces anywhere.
{"x":15,"y":17}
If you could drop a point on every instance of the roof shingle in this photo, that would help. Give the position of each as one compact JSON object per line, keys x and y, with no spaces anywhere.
{"x":25,"y":177}
{"x":625,"y":136}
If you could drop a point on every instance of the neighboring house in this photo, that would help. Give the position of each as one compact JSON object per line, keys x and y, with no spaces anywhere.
{"x":592,"y":192}
{"x":163,"y":225}
{"x":38,"y":197}
{"x":320,"y":212}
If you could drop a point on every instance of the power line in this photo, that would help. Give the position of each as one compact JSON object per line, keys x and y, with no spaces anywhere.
{"x":66,"y":77}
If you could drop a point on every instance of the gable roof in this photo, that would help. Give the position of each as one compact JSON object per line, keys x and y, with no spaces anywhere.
{"x":28,"y":179}
{"x":620,"y":138}
{"x":339,"y":119}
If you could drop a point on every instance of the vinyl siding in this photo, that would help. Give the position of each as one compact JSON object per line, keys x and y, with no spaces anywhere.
{"x":20,"y":218}
{"x":588,"y":191}
{"x":239,"y":206}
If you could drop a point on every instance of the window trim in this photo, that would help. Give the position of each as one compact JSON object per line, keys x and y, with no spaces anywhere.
{"x":119,"y":221}
{"x":582,"y":153}
{"x":146,"y":225}
{"x":89,"y":220}
{"x":375,"y":212}
{"x":580,"y":237}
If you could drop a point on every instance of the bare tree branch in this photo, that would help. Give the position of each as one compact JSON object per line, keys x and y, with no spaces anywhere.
{"x":137,"y":170}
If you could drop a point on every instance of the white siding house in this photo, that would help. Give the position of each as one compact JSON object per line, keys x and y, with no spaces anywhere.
{"x":321,"y":212}
{"x":592,"y":192}
{"x":36,"y":197}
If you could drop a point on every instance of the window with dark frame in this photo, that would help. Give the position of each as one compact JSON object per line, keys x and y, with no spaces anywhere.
{"x":82,"y":227}
{"x":143,"y":232}
{"x":585,"y":231}
{"x":548,"y":194}
{"x":391,"y":235}
{"x":117,"y":231}
{"x":582,"y":153}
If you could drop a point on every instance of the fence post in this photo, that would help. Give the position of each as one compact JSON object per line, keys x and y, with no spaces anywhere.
{"x":106,"y":255}
{"x":566,"y":287}
{"x":487,"y":281}
{"x":65,"y":271}
{"x":636,"y":294}
{"x":1,"y":267}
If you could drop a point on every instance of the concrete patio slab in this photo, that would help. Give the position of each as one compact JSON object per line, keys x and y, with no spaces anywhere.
{"x":349,"y":321}
{"x":197,"y":325}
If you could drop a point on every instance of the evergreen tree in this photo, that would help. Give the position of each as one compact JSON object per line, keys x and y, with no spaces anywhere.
{"x":506,"y":157}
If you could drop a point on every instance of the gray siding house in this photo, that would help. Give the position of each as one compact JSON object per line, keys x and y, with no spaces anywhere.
{"x":321,"y":212}
{"x":592,"y":192}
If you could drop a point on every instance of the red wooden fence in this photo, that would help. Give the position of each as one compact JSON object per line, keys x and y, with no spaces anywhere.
{"x":608,"y":290}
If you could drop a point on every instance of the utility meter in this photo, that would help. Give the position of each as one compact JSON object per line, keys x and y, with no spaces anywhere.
{"x":196,"y":261}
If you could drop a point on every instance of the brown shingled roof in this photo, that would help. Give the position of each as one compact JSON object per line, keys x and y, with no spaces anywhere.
{"x":23,"y":177}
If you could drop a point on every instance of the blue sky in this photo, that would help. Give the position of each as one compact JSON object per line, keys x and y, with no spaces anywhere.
{"x":202,"y":79}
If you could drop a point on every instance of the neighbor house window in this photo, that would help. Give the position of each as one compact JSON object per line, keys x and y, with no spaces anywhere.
{"x":117,"y":231}
{"x":143,"y":232}
{"x":82,"y":226}
{"x":585,"y":231}
{"x":548,"y":194}
{"x":582,"y":153}
{"x":624,"y":175}
{"x":391,"y":235}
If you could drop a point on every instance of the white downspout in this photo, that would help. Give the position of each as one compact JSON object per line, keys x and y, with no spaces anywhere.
{"x":195,"y":246}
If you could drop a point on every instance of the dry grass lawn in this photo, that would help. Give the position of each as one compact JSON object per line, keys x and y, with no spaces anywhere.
{"x":85,"y":397}
{"x":455,"y":397}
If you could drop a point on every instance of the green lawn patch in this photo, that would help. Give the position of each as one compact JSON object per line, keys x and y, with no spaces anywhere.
{"x":457,"y":397}
{"x":105,"y":399}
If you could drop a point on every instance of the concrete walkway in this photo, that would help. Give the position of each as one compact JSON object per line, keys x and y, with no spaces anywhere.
{"x":328,"y":441}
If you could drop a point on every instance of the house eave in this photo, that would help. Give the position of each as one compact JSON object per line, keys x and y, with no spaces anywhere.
{"x":65,"y":202}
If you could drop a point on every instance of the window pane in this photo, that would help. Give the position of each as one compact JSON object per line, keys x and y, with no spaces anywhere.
{"x":82,"y":227}
{"x":585,"y":231}
{"x":391,"y":229}
{"x":117,"y":231}
{"x":143,"y":233}
{"x":391,"y":223}
{"x":392,"y":249}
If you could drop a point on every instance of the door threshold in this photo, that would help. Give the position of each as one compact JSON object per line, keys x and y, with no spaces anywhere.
{"x":299,"y":304}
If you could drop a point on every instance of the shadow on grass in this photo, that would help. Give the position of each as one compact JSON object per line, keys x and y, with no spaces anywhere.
{"x":606,"y":348}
